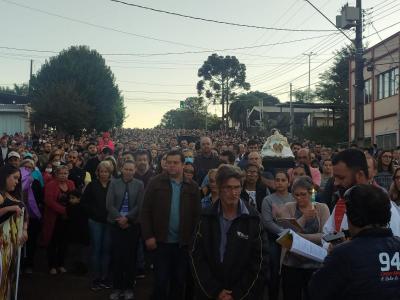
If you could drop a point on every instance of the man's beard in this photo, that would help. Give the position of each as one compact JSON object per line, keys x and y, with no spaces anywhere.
{"x":342,"y":190}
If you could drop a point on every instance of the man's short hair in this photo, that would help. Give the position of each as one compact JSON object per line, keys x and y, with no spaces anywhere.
{"x":367,"y":205}
{"x":230,"y":155}
{"x":354,"y":159}
{"x":226,"y":172}
{"x":252,"y":143}
{"x":174,"y":153}
{"x":140,"y":153}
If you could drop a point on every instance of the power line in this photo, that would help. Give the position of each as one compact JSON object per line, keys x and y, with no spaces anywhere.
{"x":288,"y":64}
{"x":215,"y":21}
{"x":158,"y":92}
{"x":177,"y":53}
{"x":102,"y":26}
{"x":154,"y":84}
{"x":384,"y":44}
{"x":329,"y":20}
{"x":383,"y":17}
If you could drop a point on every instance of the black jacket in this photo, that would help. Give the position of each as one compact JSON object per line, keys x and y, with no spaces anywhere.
{"x":241,"y":268}
{"x":261,"y":192}
{"x":94,"y":201}
{"x":365,"y":268}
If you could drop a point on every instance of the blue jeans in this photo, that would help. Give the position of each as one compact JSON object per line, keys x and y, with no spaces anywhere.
{"x":100,"y":242}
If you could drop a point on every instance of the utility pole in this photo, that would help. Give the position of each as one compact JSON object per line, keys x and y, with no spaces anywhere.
{"x":30,"y":78}
{"x":359,"y":81}
{"x":261,"y":113}
{"x":309,"y":73}
{"x":352,"y":17}
{"x":291,"y":113}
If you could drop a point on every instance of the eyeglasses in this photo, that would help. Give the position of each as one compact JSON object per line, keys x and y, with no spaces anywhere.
{"x":252,"y":172}
{"x":231,"y":188}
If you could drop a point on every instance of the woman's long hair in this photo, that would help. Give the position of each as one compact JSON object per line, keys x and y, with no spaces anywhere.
{"x":5,"y":172}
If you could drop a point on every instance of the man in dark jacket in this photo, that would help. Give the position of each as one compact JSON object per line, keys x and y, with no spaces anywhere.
{"x":368,"y":266}
{"x":206,"y":160}
{"x":227,"y":252}
{"x":76,"y":174}
{"x":170,"y":213}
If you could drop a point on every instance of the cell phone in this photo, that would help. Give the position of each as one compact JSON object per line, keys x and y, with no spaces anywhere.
{"x":333,"y":237}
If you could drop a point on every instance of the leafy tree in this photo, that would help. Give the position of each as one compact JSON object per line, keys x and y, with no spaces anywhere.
{"x":76,"y":90}
{"x":20,"y":90}
{"x":302,"y":96}
{"x":334,"y":85}
{"x":221,"y":78}
{"x":192,"y":116}
{"x":242,"y":103}
{"x":196,"y":104}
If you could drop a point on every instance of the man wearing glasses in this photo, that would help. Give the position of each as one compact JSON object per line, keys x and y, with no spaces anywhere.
{"x":227,"y":252}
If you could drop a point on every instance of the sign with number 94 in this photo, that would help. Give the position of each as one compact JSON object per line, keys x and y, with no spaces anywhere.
{"x":387,"y":262}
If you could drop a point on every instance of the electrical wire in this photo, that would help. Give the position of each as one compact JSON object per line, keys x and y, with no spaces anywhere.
{"x":216,"y":21}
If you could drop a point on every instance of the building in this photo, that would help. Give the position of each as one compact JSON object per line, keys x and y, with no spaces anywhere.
{"x":305,"y":114}
{"x":381,"y":94}
{"x":14,"y":114}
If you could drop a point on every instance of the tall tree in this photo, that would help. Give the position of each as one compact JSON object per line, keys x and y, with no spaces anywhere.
{"x":221,"y":77}
{"x":76,"y":90}
{"x":334,"y":85}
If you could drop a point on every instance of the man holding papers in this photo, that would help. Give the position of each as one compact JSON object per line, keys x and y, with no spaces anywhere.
{"x":368,"y":266}
{"x":350,"y":168}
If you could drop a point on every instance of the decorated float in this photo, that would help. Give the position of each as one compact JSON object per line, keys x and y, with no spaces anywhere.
{"x":276,"y":153}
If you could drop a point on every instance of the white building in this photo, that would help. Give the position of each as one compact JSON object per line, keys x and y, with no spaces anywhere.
{"x":14,"y":114}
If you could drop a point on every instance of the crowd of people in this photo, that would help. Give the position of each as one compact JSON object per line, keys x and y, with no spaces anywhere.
{"x":201,"y":212}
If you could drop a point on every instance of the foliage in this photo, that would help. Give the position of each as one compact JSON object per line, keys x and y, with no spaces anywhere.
{"x":221,"y":77}
{"x":334,"y":85}
{"x":302,"y":96}
{"x":76,"y":90}
{"x":242,"y":103}
{"x":192,"y":116}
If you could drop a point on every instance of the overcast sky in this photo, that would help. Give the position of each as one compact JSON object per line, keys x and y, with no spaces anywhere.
{"x":155,"y":84}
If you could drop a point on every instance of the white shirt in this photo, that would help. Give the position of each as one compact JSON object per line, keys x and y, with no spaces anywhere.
{"x":329,"y":226}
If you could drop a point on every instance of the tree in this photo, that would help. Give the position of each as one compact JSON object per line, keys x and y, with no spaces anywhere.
{"x":20,"y":90}
{"x":192,"y":116}
{"x":242,"y":103}
{"x":196,"y":104}
{"x":221,"y":78}
{"x":303,"y":96}
{"x":76,"y":90}
{"x":334,"y":85}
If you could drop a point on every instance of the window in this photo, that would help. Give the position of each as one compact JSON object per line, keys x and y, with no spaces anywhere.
{"x":386,"y":141}
{"x":367,"y":91}
{"x":388,"y":83}
{"x":394,"y":81}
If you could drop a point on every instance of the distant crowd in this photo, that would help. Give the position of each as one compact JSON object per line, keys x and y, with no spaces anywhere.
{"x":201,"y":212}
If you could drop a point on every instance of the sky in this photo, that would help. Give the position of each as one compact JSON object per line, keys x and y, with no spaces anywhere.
{"x":148,"y":51}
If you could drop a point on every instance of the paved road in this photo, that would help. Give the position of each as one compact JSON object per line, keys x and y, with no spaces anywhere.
{"x":68,"y":287}
{"x":42,"y":286}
